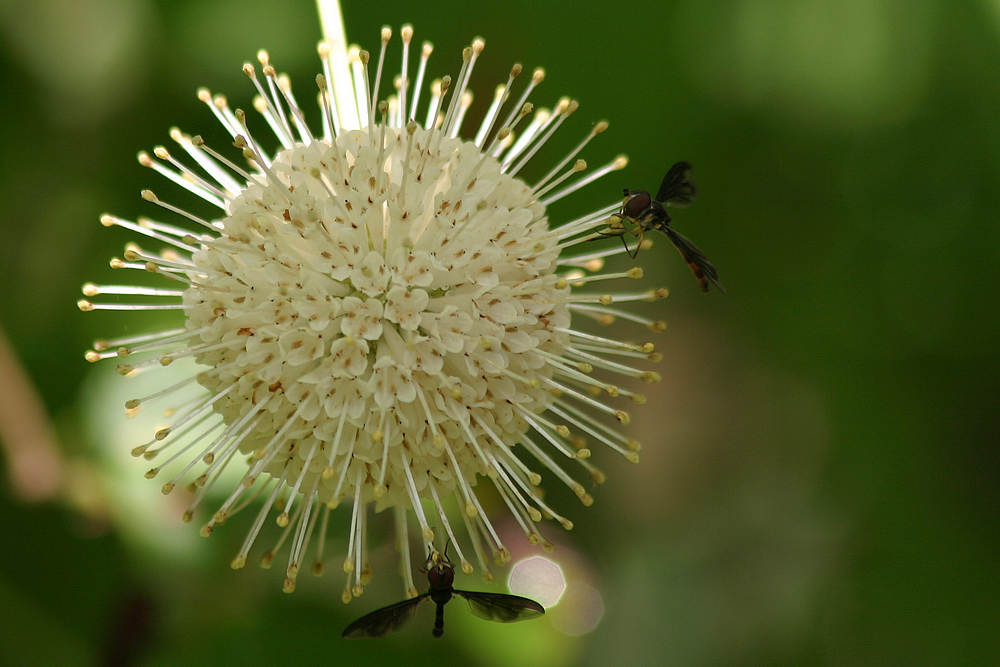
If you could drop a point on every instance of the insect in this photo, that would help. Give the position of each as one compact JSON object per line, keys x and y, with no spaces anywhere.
{"x":498,"y":607}
{"x":648,"y":213}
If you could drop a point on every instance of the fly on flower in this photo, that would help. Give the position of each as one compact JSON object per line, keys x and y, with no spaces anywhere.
{"x":499,"y":607}
{"x":649,"y":213}
{"x":381,"y":315}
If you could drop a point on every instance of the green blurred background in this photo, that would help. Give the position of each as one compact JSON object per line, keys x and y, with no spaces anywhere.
{"x":819,"y":483}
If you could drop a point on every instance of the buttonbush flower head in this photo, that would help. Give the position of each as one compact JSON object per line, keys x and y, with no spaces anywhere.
{"x":382,"y":315}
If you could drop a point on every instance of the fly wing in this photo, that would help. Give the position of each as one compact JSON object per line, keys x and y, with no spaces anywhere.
{"x":696,"y":260}
{"x":677,"y":188}
{"x":501,"y":607}
{"x":384,"y":621}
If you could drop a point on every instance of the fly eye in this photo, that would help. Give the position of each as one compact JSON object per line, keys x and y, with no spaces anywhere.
{"x":639,"y":202}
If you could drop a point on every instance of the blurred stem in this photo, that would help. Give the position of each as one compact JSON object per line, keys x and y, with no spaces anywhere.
{"x":339,"y":88}
{"x":34,"y":461}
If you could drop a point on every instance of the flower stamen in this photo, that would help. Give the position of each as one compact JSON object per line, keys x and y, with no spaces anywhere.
{"x":386,"y":36}
{"x":617,"y":164}
{"x":499,"y":98}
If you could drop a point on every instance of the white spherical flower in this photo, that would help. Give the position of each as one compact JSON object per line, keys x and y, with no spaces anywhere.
{"x":382,"y":313}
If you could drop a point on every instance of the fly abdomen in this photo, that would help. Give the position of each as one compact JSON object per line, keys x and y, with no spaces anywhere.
{"x":438,"y":621}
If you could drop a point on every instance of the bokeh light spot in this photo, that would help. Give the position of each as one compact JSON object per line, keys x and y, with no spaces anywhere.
{"x":537,"y":578}
{"x":581,"y":610}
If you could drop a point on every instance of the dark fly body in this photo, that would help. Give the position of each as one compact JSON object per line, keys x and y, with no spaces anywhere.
{"x":649,"y":213}
{"x":499,"y":607}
